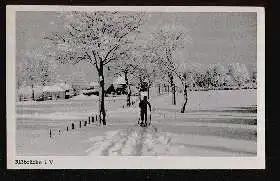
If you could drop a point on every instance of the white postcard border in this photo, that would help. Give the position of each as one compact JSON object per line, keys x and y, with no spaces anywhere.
{"x":135,"y":162}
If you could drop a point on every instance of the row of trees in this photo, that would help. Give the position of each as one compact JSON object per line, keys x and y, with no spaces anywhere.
{"x":218,"y":75}
{"x":113,"y":40}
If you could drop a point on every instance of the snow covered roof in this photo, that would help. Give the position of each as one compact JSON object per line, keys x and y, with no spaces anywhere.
{"x":53,"y":88}
{"x":64,"y":86}
{"x":119,"y":80}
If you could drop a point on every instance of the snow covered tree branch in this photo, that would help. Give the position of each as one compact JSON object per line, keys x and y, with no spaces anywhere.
{"x":165,"y":43}
{"x":97,"y":38}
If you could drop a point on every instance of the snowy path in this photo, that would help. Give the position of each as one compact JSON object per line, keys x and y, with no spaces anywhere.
{"x":128,"y":142}
{"x":140,"y":141}
{"x":133,"y":141}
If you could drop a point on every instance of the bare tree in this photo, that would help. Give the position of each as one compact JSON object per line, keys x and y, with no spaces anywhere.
{"x":97,"y":38}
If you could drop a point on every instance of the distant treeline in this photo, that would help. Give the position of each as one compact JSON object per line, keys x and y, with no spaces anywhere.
{"x":218,"y":76}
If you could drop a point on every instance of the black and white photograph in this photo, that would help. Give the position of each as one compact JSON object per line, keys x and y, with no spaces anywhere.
{"x":125,"y":83}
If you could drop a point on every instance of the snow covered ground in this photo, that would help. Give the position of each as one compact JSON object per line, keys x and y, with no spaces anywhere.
{"x":216,"y":123}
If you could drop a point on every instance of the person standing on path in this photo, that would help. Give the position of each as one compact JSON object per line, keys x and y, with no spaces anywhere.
{"x":143,"y":109}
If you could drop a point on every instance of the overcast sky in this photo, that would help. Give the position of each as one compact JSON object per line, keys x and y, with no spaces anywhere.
{"x":213,"y":37}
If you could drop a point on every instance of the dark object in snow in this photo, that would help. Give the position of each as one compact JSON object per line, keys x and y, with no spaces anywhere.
{"x":67,"y":128}
{"x":85,"y":124}
{"x":50,"y":133}
{"x":80,"y":124}
{"x":255,"y":133}
{"x":92,"y":119}
{"x":155,"y":129}
{"x":110,"y":89}
{"x":73,"y":126}
{"x":143,"y":109}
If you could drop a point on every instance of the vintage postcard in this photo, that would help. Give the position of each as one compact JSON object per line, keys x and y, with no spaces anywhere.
{"x":126,"y":87}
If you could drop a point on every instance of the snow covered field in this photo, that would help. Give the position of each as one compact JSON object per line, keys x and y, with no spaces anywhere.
{"x":216,"y":123}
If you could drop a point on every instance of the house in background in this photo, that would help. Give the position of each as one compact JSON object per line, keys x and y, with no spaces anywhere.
{"x":161,"y":88}
{"x":53,"y":92}
{"x":110,"y":89}
{"x":69,"y":91}
{"x":94,"y":85}
{"x":120,"y":85}
{"x":91,"y":89}
{"x":26,"y":93}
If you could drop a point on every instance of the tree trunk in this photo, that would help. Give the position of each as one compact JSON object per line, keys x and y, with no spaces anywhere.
{"x":186,"y":99}
{"x":148,"y":90}
{"x":102,"y":113}
{"x":128,"y":100}
{"x":139,"y":94}
{"x":173,"y":89}
{"x":33,"y":95}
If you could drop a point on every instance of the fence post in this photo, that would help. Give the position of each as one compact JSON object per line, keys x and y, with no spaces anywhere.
{"x":89,"y":120}
{"x":67,"y":128}
{"x":73,"y":126}
{"x":85,"y":124}
{"x":80,"y":124}
{"x":92,"y":119}
{"x":50,"y":133}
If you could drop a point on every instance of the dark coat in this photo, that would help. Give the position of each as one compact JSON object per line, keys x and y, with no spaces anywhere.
{"x":143,"y":105}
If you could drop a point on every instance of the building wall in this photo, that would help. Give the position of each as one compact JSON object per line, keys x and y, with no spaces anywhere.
{"x":54,"y":95}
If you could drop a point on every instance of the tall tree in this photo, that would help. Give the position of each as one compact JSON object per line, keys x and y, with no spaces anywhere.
{"x":128,"y":65}
{"x":187,"y":74}
{"x":97,"y":38}
{"x":165,"y":43}
{"x":137,"y":65}
{"x":147,"y":67}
